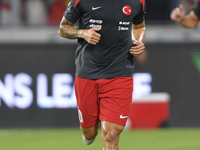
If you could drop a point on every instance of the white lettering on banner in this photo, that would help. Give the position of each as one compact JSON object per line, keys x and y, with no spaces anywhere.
{"x":63,"y":95}
{"x":24,"y":97}
{"x":142,"y":84}
{"x":43,"y":100}
{"x":62,"y":90}
{"x":7,"y":91}
{"x":16,"y":90}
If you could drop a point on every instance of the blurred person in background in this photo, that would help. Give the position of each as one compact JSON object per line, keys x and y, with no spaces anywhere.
{"x":42,"y":12}
{"x":23,"y":17}
{"x":104,"y":63}
{"x":189,"y":21}
{"x":36,"y":12}
{"x":5,"y":12}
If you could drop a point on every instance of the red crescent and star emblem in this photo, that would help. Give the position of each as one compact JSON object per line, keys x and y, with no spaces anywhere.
{"x":127,"y":10}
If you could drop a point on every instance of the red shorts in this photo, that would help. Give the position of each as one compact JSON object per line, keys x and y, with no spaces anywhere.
{"x":103,"y":99}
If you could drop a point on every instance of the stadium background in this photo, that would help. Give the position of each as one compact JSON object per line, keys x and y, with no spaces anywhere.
{"x":37,"y":65}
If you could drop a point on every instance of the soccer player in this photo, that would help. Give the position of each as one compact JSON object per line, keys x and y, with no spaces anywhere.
{"x":110,"y":33}
{"x":189,"y":21}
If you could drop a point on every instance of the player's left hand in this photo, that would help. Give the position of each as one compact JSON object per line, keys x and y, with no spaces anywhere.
{"x":137,"y":49}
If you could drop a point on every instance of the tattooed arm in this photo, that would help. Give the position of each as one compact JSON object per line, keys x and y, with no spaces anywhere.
{"x":67,"y":30}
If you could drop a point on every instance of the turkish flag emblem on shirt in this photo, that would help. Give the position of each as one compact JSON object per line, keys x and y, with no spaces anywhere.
{"x":127,"y":10}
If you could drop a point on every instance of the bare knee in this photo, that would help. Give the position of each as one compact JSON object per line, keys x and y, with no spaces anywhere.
{"x":110,"y":135}
{"x":90,"y":133}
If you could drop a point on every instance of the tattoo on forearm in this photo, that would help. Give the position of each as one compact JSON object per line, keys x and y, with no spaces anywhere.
{"x":68,"y":30}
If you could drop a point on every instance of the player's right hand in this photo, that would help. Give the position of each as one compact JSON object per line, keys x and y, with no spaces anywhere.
{"x":178,"y":14}
{"x":91,"y":36}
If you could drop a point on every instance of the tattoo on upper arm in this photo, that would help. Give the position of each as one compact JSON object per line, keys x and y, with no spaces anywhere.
{"x":68,"y":30}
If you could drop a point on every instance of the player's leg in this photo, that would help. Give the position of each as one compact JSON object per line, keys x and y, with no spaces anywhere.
{"x":116,"y":98}
{"x":110,"y":135}
{"x":88,"y":108}
{"x":89,"y":134}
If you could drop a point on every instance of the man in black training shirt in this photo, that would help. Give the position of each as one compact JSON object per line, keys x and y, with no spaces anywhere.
{"x":189,"y":21}
{"x":110,"y":33}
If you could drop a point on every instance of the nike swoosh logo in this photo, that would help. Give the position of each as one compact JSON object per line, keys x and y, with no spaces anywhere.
{"x":122,"y":117}
{"x":95,"y":8}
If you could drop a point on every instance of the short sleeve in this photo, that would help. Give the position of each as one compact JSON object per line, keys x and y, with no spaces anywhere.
{"x":140,"y":17}
{"x":196,"y":9}
{"x":72,"y":12}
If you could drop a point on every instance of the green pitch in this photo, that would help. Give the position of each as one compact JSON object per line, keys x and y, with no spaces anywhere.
{"x":70,"y":139}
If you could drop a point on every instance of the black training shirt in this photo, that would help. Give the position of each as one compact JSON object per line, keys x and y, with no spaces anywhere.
{"x":197,"y":9}
{"x":110,"y":57}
